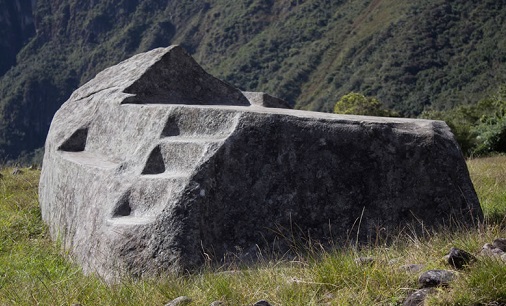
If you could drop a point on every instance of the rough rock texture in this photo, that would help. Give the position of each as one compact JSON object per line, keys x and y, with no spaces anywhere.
{"x":418,"y":297}
{"x":500,"y":243}
{"x":412,"y":268}
{"x":458,"y":258}
{"x":155,"y":166}
{"x":180,"y":301}
{"x":265,"y":100}
{"x":436,"y":278}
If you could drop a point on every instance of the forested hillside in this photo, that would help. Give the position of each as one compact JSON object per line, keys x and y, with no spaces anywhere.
{"x":412,"y":56}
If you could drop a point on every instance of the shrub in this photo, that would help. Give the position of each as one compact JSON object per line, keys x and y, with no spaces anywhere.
{"x":358,"y":104}
{"x":479,"y":129}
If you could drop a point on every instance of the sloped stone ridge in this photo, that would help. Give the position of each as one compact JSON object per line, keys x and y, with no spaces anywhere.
{"x":156,"y":166}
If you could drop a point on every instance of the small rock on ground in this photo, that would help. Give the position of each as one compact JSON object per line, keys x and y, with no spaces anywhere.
{"x":364,"y":260}
{"x":489,"y":250}
{"x":217,"y":303}
{"x":393,"y":261}
{"x":500,"y":243}
{"x":180,"y":301}
{"x":413,"y":268}
{"x":417,"y":298}
{"x":494,"y":303}
{"x":458,"y":258}
{"x":326,"y":299}
{"x":435,"y":278}
{"x":262,"y":303}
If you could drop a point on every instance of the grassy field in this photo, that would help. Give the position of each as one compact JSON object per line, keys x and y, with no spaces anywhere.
{"x":35,"y":271}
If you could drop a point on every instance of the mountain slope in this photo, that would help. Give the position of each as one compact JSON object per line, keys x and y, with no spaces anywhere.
{"x":438,"y":53}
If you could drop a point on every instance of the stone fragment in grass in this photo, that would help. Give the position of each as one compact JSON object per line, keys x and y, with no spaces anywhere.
{"x":500,"y":243}
{"x":488,"y":250}
{"x":436,"y":278}
{"x":417,"y":298}
{"x":180,"y":301}
{"x":217,"y":303}
{"x":364,"y":261}
{"x":328,"y":297}
{"x":262,"y":303}
{"x":458,"y":258}
{"x":393,"y":261}
{"x":413,"y":268}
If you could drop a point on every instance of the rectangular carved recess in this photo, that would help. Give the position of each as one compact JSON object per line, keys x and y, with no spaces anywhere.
{"x":76,"y":142}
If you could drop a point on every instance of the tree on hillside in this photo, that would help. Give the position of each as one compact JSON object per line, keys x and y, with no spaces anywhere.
{"x":358,"y":104}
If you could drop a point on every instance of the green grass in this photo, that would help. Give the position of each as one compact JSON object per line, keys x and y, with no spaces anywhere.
{"x":35,"y":271}
{"x":489,"y":178}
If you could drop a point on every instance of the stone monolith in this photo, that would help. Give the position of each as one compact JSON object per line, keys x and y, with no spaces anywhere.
{"x":155,"y":166}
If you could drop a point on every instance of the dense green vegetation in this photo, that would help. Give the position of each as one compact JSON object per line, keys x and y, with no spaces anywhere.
{"x":34,"y":270}
{"x":434,"y":55}
{"x":479,"y":128}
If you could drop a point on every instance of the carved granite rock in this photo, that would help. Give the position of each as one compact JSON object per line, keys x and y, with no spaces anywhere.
{"x":155,"y":166}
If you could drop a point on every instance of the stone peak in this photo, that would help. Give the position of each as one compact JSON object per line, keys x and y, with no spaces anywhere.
{"x":164,"y":76}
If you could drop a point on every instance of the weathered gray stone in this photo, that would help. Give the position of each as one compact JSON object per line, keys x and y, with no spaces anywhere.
{"x":155,"y":166}
{"x":458,"y":258}
{"x":418,"y":297}
{"x":436,"y":278}
{"x":364,"y":261}
{"x":489,"y":250}
{"x":265,"y":100}
{"x":500,"y":243}
{"x":180,"y":301}
{"x":412,"y":268}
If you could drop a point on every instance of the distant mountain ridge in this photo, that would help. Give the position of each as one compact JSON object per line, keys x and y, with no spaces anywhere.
{"x":437,"y":53}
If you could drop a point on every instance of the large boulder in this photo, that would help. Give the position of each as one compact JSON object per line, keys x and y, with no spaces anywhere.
{"x":156,"y":166}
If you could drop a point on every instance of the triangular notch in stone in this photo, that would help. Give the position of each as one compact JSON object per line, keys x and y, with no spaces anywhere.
{"x":123,"y":207}
{"x":155,"y":163}
{"x":76,"y":142}
{"x":171,"y":128}
{"x":175,"y":78}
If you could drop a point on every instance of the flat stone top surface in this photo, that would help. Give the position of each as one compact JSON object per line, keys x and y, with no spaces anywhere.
{"x":170,"y":76}
{"x":311,"y":114}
